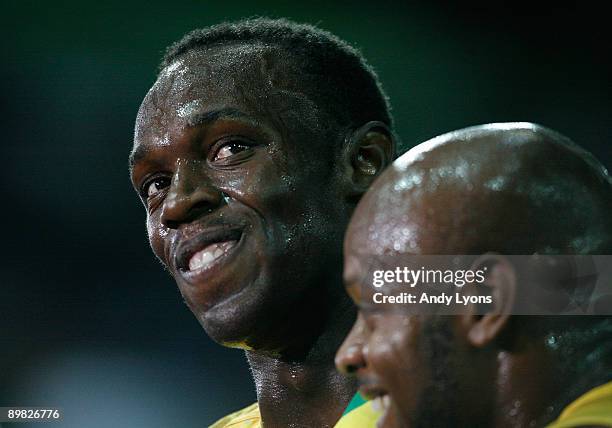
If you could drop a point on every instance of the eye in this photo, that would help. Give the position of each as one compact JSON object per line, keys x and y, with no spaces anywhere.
{"x":230,"y":149}
{"x":154,"y":186}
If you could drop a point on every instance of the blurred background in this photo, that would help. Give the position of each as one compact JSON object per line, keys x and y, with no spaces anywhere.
{"x":88,"y":320}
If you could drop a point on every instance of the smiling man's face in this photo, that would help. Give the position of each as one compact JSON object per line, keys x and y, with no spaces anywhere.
{"x":241,"y":192}
{"x":403,"y":357}
{"x":402,"y":362}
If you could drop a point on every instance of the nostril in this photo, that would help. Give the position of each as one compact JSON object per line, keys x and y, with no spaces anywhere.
{"x":171,"y":224}
{"x":173,"y":217}
{"x":202,"y":207}
{"x":184,"y":204}
{"x":351,"y":368}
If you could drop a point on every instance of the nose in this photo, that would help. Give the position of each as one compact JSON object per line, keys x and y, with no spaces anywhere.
{"x":190,"y":195}
{"x":352,"y":356}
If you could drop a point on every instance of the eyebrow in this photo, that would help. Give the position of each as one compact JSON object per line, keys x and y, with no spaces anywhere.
{"x":194,"y":119}
{"x":208,"y":117}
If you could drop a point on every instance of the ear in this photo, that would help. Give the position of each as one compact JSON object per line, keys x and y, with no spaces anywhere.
{"x":368,"y":151}
{"x":483,"y":324}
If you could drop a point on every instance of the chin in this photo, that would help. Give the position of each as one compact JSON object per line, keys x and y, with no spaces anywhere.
{"x":268,"y":323}
{"x":245,"y":321}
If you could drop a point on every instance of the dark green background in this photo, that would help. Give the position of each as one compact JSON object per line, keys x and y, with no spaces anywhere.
{"x":88,"y":319}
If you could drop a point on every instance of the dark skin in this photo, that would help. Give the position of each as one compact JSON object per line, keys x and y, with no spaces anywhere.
{"x":247,"y":200}
{"x":466,"y":370}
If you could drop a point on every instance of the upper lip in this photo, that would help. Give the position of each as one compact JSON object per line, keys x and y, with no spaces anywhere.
{"x":205,"y":236}
{"x":371,"y":391}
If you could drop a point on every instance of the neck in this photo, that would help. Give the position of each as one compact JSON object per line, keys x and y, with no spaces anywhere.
{"x":528,"y":388}
{"x":305,"y":390}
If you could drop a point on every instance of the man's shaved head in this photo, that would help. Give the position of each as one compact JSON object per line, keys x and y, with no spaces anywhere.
{"x":488,"y":192}
{"x":516,"y":188}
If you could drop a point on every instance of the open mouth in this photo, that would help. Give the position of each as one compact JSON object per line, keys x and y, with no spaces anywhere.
{"x":381,"y":403}
{"x":206,"y":250}
{"x":207,"y":257}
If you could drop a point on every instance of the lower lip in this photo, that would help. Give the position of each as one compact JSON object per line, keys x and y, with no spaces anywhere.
{"x":205,"y":272}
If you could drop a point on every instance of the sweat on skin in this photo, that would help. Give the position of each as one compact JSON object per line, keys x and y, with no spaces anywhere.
{"x":509,"y":188}
{"x":247,"y":199}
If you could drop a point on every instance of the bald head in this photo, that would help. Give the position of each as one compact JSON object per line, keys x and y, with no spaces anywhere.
{"x":515,"y":188}
{"x":485,"y":192}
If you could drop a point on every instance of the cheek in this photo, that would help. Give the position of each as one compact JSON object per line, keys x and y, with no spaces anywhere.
{"x":261,"y":184}
{"x":397,"y":359}
{"x":157,"y":235}
{"x":391,"y":354}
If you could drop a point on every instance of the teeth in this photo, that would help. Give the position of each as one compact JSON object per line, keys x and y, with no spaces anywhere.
{"x":209,"y":254}
{"x":386,"y":402}
{"x":381,"y":404}
{"x":377,"y":405}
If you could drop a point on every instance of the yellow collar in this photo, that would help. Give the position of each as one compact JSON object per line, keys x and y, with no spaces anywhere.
{"x":361,"y":417}
{"x":591,"y":409}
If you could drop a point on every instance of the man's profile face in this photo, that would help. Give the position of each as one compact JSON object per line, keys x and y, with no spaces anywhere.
{"x":240,"y":191}
{"x":397,"y":360}
{"x":403,"y":361}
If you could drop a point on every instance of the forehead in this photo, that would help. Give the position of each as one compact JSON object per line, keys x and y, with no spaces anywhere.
{"x":253,"y":79}
{"x":418,"y":208}
{"x":373,"y":231}
{"x":204,"y":78}
{"x":386,"y":220}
